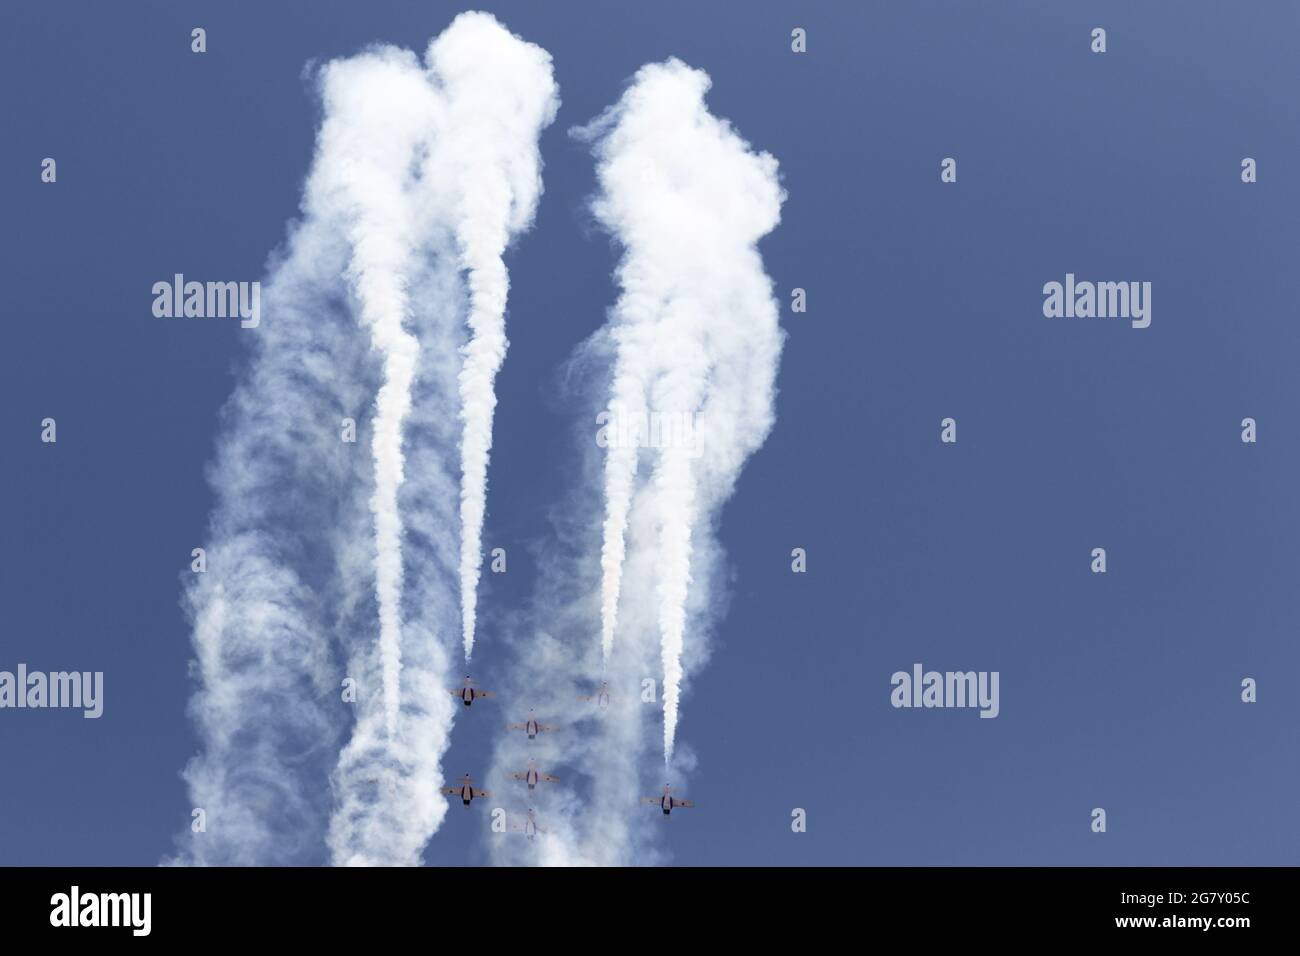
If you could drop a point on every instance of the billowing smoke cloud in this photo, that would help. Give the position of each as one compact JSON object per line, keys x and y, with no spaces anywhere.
{"x":695,"y":329}
{"x":327,"y":572}
{"x":689,"y":356}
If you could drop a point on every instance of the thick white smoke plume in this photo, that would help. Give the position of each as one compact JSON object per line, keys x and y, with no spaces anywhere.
{"x":493,"y":167}
{"x":326,"y":570}
{"x":695,"y":329}
{"x":694,"y":337}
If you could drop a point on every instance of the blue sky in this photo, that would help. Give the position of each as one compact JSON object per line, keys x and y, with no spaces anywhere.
{"x":1118,"y":690}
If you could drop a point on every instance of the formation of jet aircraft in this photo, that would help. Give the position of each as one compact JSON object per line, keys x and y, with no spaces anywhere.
{"x":531,"y":726}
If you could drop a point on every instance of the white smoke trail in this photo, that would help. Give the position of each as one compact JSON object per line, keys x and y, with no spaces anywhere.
{"x":379,"y":114}
{"x":694,"y":332}
{"x":377,"y":109}
{"x":697,"y":335}
{"x":627,"y":395}
{"x":265,"y":711}
{"x":406,"y":190}
{"x":499,"y":95}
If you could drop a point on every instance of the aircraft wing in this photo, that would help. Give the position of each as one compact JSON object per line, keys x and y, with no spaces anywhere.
{"x":683,"y":803}
{"x":451,"y":789}
{"x":515,"y":726}
{"x":549,"y":779}
{"x":520,"y":776}
{"x":650,"y":799}
{"x":485,"y":693}
{"x":547,"y":727}
{"x":480,"y":793}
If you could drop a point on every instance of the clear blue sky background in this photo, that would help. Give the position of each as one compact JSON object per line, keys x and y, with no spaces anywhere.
{"x":1120,"y":691}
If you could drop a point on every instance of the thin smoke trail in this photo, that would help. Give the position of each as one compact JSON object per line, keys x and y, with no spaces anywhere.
{"x":368,"y":149}
{"x":627,"y":395}
{"x":675,"y":488}
{"x":379,"y":114}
